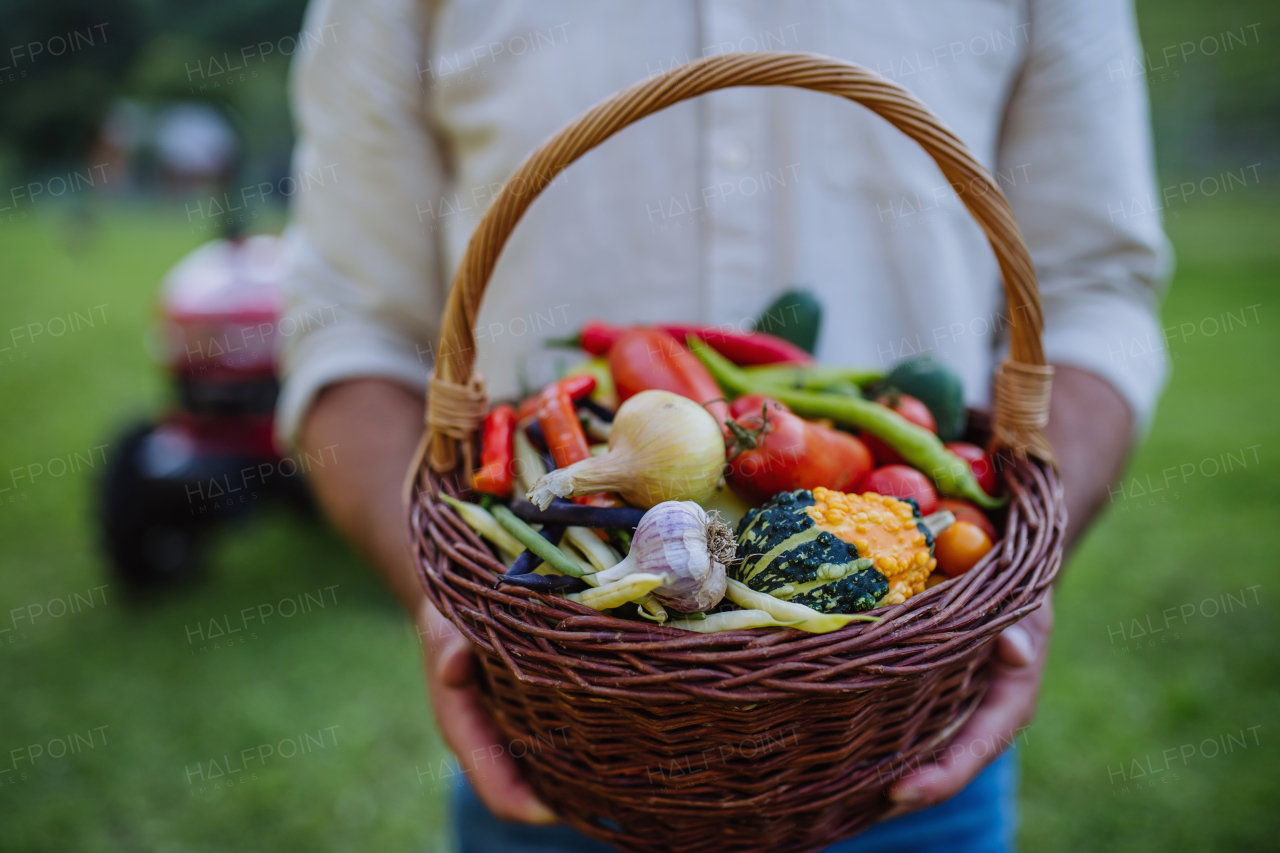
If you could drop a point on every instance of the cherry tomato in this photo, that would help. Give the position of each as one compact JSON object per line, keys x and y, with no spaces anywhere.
{"x":978,"y":461}
{"x":751,"y":404}
{"x":902,"y":481}
{"x":912,"y":410}
{"x":965,"y":511}
{"x":960,"y":547}
{"x":778,"y":451}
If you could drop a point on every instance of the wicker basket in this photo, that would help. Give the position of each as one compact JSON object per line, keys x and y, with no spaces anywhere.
{"x":654,"y":739}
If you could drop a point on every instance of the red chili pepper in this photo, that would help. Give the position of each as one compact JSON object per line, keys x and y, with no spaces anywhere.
{"x":579,"y":387}
{"x":647,"y":359}
{"x":742,"y":348}
{"x":564,"y":436}
{"x":597,"y":337}
{"x":498,"y":450}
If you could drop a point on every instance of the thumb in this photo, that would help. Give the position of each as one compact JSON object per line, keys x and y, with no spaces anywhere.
{"x":448,"y":654}
{"x":1016,"y":646}
{"x":1022,"y":643}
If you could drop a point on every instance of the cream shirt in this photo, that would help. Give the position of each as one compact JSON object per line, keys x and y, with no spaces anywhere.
{"x":412,"y":114}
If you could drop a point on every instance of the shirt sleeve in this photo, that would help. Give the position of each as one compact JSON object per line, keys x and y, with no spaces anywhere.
{"x":1076,"y":157}
{"x":363,"y":294}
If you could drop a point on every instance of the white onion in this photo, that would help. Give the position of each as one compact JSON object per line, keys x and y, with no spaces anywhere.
{"x":662,"y":447}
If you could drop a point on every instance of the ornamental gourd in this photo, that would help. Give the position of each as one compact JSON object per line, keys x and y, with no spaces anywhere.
{"x":835,"y":552}
{"x":782,"y":551}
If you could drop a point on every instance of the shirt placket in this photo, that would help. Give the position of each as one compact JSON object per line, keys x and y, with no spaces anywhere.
{"x":737,"y":244}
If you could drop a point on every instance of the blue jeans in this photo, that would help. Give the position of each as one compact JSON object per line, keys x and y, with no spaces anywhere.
{"x":980,"y":819}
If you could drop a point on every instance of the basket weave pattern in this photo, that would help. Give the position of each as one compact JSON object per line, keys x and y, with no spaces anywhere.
{"x":655,"y":739}
{"x":742,"y":740}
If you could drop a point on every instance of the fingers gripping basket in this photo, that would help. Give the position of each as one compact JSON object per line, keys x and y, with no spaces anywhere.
{"x":654,"y":739}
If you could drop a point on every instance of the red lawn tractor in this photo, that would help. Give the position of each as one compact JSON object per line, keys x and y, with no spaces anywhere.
{"x":211,"y":458}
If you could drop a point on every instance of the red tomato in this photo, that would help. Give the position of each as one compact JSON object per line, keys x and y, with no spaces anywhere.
{"x":960,"y":547}
{"x":965,"y":511}
{"x":979,"y":461}
{"x":912,"y":410}
{"x":790,"y":453}
{"x":751,"y":404}
{"x":902,"y":481}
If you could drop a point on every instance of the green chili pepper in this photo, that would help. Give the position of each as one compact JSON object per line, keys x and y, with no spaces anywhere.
{"x":915,"y":444}
{"x":811,"y":377}
{"x":535,"y":543}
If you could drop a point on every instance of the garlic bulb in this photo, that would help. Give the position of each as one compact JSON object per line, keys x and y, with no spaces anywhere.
{"x":678,"y":539}
{"x":662,"y":447}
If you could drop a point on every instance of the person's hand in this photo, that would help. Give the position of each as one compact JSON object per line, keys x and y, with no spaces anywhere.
{"x":467,"y":729}
{"x":1010,"y":704}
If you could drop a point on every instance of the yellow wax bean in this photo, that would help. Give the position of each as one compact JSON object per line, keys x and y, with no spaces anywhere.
{"x":599,"y":554}
{"x":730,"y":620}
{"x":619,"y":592}
{"x":790,"y":613}
{"x":479,"y":520}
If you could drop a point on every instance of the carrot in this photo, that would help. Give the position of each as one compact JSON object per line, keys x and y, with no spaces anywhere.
{"x":564,"y":436}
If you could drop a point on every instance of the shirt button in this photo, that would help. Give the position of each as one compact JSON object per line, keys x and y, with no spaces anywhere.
{"x":733,"y":156}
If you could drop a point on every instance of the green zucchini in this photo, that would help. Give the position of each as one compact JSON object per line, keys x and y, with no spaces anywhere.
{"x":937,"y":386}
{"x":795,"y":316}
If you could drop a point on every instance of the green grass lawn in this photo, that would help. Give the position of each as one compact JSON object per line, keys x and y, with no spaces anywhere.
{"x":148,"y":714}
{"x":169,"y":711}
{"x":1182,"y":560}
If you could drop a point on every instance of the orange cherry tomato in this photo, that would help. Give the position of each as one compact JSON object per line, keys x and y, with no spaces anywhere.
{"x":959,"y":548}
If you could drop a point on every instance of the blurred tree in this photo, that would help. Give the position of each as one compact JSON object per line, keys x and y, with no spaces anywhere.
{"x":1211,"y":74}
{"x":1216,"y":103}
{"x":65,"y":64}
{"x":59,"y":72}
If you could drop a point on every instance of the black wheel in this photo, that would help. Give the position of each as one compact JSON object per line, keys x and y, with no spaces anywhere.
{"x":149,"y":543}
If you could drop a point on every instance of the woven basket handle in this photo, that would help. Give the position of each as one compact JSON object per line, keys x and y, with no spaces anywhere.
{"x":1021,"y":392}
